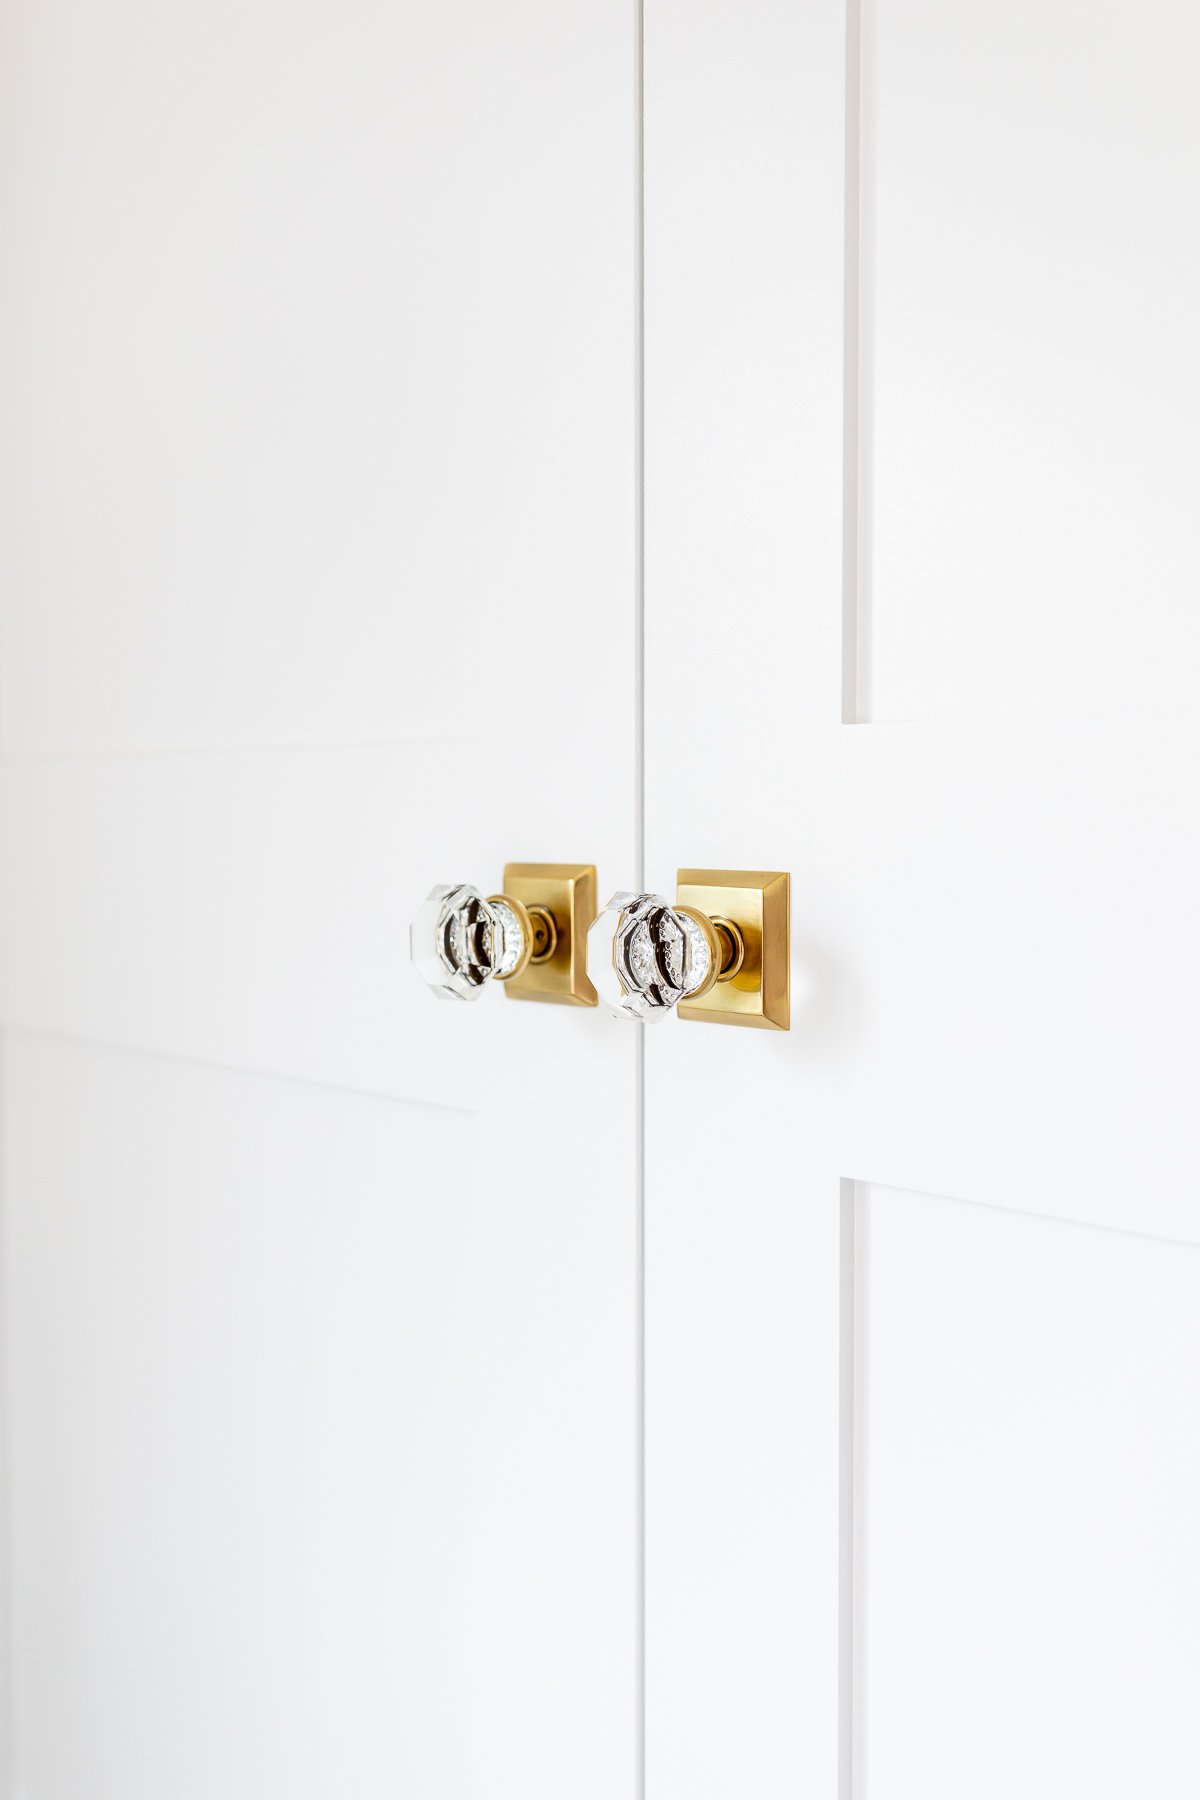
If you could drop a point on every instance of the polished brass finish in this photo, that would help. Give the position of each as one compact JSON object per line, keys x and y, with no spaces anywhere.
{"x":545,"y":934}
{"x":758,"y":904}
{"x":565,"y":894}
{"x":733,"y":948}
{"x":527,"y":934}
{"x":715,"y":948}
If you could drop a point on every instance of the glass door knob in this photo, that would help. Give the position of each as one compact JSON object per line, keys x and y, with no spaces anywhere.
{"x":720,"y":953}
{"x":645,"y":955}
{"x":532,"y":937}
{"x":460,"y":941}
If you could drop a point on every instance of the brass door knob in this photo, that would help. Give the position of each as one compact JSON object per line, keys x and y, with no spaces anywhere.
{"x":720,"y":953}
{"x":531,"y":937}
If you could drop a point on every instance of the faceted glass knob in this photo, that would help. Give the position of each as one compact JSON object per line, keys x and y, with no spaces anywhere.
{"x":645,"y":955}
{"x":460,"y":941}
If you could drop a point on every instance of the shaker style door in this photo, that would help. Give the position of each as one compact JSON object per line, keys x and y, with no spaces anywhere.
{"x":318,"y":480}
{"x":922,"y":1281}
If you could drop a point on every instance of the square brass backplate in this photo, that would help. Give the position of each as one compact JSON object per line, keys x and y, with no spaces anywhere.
{"x":567,"y":891}
{"x":758,"y":902}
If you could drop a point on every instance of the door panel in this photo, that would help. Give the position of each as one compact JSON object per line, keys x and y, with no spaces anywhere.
{"x":306,"y":1446}
{"x":251,"y":909}
{"x":1027,"y":1485}
{"x":1029,"y":455}
{"x":318,"y":470}
{"x":994,"y":972}
{"x":319,"y":329}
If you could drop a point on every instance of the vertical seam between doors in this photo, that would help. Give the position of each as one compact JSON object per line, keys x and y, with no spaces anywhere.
{"x":639,"y":726}
{"x":8,"y":1768}
{"x":639,"y":466}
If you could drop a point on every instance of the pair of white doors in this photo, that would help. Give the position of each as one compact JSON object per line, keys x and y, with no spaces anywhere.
{"x":746,"y":435}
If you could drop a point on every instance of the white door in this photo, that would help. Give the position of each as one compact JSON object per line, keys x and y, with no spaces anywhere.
{"x":923,"y":618}
{"x":477,"y":1401}
{"x":318,"y":454}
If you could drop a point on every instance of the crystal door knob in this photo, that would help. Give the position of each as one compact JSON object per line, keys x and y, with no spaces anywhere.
{"x":720,"y":954}
{"x":645,"y":955}
{"x":460,"y":941}
{"x":531,"y":938}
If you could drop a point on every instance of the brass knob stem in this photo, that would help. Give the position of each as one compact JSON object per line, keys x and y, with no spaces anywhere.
{"x":733,"y":948}
{"x":545,"y":934}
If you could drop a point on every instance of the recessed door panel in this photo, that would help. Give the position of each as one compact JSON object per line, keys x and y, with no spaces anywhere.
{"x":1026,"y":1485}
{"x":317,"y":1443}
{"x":1028,"y":384}
{"x":318,"y":372}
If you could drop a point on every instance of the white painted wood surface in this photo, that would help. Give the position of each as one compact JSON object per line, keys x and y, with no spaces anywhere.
{"x":318,"y":462}
{"x":940,"y":664}
{"x":317,"y":457}
{"x":1029,"y":283}
{"x":1028,"y":1393}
